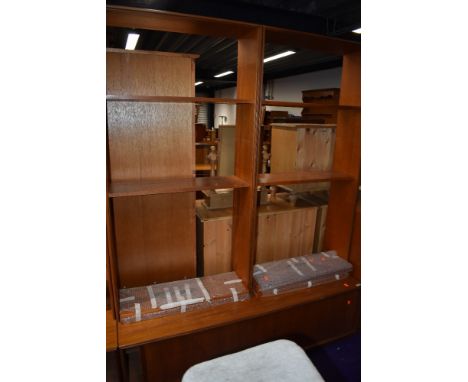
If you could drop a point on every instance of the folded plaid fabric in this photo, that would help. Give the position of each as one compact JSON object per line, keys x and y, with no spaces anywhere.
{"x":142,"y":303}
{"x":294,"y":273}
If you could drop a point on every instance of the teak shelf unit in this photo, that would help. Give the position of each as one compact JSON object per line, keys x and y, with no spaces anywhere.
{"x":344,"y":179}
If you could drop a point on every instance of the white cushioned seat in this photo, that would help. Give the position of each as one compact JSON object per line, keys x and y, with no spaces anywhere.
{"x":280,"y":361}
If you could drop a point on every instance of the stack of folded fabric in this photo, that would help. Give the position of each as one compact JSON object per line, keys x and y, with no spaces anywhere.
{"x":294,"y":273}
{"x":142,"y":303}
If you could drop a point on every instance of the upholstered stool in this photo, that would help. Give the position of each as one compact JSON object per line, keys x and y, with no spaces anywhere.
{"x":281,"y":361}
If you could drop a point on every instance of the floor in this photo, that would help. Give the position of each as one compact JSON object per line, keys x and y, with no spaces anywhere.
{"x":339,"y":361}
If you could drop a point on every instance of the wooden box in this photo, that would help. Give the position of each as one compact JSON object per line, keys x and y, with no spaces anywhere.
{"x":283,"y":231}
{"x":302,"y":147}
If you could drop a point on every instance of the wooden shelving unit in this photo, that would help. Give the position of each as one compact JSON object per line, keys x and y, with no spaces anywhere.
{"x":150,"y":222}
{"x":174,"y":185}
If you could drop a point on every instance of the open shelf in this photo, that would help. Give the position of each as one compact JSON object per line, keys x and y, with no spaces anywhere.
{"x":173,"y":185}
{"x":302,"y":104}
{"x":161,"y":328}
{"x":301,"y":177}
{"x":175,"y":99}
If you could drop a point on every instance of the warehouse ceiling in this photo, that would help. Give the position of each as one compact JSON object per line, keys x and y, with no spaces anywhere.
{"x":327,"y":17}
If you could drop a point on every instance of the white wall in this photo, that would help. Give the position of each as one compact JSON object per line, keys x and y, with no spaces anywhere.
{"x":228,"y":110}
{"x":284,"y":89}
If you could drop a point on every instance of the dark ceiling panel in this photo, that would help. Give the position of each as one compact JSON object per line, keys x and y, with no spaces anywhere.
{"x":323,"y":17}
{"x":329,"y":17}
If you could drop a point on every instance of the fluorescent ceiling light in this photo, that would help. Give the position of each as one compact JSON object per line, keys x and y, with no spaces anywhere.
{"x":198,"y":83}
{"x":132,"y":40}
{"x":224,"y":73}
{"x":275,"y":57}
{"x":357,"y":30}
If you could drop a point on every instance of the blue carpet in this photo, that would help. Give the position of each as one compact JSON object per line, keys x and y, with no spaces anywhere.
{"x":339,"y":361}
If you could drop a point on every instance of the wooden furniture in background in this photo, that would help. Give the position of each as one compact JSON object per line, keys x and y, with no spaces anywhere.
{"x":227,"y":146}
{"x":302,"y":147}
{"x":283,"y":231}
{"x":326,"y":101}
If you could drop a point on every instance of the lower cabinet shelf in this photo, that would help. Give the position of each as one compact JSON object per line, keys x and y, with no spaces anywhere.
{"x":162,"y":328}
{"x":111,"y":331}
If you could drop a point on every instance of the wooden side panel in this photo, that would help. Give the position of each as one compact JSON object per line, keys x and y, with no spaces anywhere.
{"x":226,"y":147}
{"x":155,"y":238}
{"x":217,"y":238}
{"x":351,"y":79}
{"x":285,"y":235}
{"x":342,"y":199}
{"x":320,"y":227}
{"x":283,"y":149}
{"x":355,"y":253}
{"x":154,"y":235}
{"x":307,"y":325}
{"x":347,"y":159}
{"x":249,"y":86}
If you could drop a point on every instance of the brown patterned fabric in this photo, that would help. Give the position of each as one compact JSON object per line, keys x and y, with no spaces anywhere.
{"x":276,"y":277}
{"x":143,"y":303}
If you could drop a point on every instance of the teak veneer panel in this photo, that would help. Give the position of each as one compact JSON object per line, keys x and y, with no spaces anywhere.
{"x":149,"y":141}
{"x":155,"y":238}
{"x":149,"y":73}
{"x":195,"y":321}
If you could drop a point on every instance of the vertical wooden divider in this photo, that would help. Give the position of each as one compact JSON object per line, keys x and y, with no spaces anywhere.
{"x":110,"y":247}
{"x":249,"y":86}
{"x":347,"y":159}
